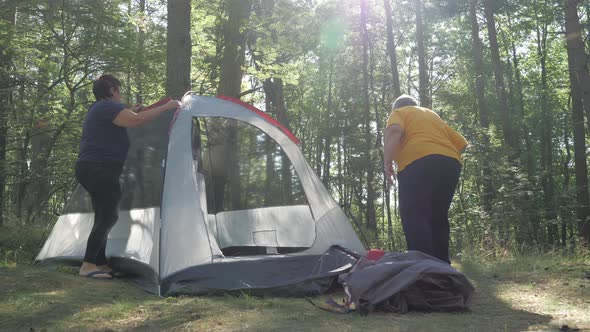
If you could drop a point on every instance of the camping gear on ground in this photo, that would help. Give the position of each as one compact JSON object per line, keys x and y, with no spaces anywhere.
{"x":375,"y":254}
{"x":226,"y":202}
{"x":403,"y":281}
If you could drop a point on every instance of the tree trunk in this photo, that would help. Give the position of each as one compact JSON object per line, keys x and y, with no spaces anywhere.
{"x":566,"y":180}
{"x":424,"y":89}
{"x":7,"y":18}
{"x":234,"y":42}
{"x":328,"y":129}
{"x":588,"y":23}
{"x":575,"y":45}
{"x":340,"y":169}
{"x":234,"y":48}
{"x":38,"y":185}
{"x":370,"y":206}
{"x":128,"y":97}
{"x":139,"y":64}
{"x":547,"y":178}
{"x":269,"y":194}
{"x":24,"y":178}
{"x":318,"y":147}
{"x":530,"y":158}
{"x":499,"y":78}
{"x":386,"y":190}
{"x":574,"y":55}
{"x":178,"y":48}
{"x":275,"y":99}
{"x":488,"y":190}
{"x":391,"y":50}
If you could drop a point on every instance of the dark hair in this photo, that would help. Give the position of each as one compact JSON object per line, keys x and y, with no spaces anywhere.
{"x":404,"y":100}
{"x":103,"y":85}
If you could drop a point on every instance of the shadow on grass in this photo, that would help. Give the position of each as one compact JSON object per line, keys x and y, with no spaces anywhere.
{"x":497,"y":312}
{"x":488,"y":313}
{"x":35,"y":297}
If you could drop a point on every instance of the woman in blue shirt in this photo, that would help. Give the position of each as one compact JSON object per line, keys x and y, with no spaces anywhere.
{"x":103,"y":151}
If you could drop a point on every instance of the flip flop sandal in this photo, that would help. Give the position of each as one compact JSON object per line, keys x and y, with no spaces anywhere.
{"x":117,"y":274}
{"x":95,"y":275}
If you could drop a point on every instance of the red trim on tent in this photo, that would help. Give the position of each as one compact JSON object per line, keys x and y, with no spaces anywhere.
{"x":264,"y":115}
{"x":174,"y":119}
{"x":156,"y":104}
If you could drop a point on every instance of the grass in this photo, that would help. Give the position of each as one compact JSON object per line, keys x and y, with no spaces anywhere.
{"x":516,"y":294}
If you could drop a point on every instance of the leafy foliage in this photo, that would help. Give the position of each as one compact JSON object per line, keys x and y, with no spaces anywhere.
{"x":313,"y":50}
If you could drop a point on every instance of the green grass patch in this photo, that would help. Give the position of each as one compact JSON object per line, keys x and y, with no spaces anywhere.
{"x":512,"y":294}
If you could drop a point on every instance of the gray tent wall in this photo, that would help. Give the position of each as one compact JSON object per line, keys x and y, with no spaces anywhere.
{"x":133,"y":243}
{"x":179,"y":234}
{"x":179,"y":244}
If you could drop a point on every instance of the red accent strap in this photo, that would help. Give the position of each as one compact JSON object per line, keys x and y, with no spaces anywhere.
{"x":156,"y":104}
{"x":174,"y":119}
{"x":264,"y":115}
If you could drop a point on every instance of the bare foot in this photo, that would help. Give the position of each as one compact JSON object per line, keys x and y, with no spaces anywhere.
{"x":92,"y":271}
{"x":105,"y":268}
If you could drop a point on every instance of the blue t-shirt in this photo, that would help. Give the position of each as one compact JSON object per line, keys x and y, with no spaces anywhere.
{"x":102,"y":140}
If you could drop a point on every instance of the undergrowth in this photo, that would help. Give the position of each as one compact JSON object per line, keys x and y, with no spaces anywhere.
{"x":20,"y":244}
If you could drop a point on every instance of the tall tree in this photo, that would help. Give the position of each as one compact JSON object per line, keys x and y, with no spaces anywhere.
{"x":274,"y":104}
{"x":576,"y":62}
{"x":234,"y":48}
{"x":519,"y":116}
{"x":328,"y":123}
{"x":275,"y":101}
{"x":477,"y":48}
{"x":139,"y":65}
{"x":391,"y":50}
{"x":424,"y":89}
{"x":178,"y":49}
{"x":576,"y":47}
{"x":564,"y":210}
{"x":489,"y":9}
{"x":7,"y":21}
{"x":547,"y":175}
{"x":234,"y":52}
{"x":38,"y":184}
{"x":370,"y":197}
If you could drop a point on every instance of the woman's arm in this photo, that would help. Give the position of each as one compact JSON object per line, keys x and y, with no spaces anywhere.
{"x":391,"y":143}
{"x":129,"y":118}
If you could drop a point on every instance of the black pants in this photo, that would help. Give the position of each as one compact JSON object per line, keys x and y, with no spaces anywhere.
{"x":426,"y":189}
{"x":101,"y":180}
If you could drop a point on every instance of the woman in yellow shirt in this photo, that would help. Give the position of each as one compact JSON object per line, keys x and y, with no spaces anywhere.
{"x":427,"y":153}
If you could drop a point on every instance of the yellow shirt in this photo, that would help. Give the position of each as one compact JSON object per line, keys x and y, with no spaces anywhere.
{"x":425,"y":133}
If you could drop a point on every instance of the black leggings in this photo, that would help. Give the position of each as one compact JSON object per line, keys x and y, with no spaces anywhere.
{"x":101,"y":180}
{"x":426,"y":189}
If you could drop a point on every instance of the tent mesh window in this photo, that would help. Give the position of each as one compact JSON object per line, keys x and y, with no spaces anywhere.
{"x":245,"y":169}
{"x":142,"y":177}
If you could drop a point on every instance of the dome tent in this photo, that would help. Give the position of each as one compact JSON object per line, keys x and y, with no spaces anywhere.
{"x":227,"y":203}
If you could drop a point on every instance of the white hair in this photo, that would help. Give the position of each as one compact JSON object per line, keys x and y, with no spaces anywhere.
{"x":404,"y":100}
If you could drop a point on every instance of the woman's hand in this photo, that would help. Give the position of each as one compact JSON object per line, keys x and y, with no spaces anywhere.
{"x":391,"y":144}
{"x":136,"y":108}
{"x":389,"y":174}
{"x":172,"y":105}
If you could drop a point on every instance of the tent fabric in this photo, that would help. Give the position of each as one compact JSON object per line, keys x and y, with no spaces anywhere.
{"x":299,"y":275}
{"x":172,"y":236}
{"x":399,"y":282}
{"x":135,"y":236}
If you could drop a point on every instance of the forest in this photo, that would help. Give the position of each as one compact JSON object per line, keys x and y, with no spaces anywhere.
{"x":511,"y":76}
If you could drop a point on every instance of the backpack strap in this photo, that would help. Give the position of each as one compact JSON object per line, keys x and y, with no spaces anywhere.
{"x":332,"y":306}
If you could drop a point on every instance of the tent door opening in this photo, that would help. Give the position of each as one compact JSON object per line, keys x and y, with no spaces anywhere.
{"x":250,"y":194}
